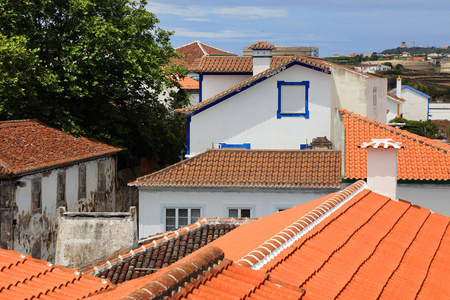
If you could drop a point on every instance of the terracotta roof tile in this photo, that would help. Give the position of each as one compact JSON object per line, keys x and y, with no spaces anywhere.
{"x":422,"y":159}
{"x":189,"y":83}
{"x":196,"y":50}
{"x":262,"y":45}
{"x":29,"y":146}
{"x":442,"y":124}
{"x":395,"y":97}
{"x":23,"y":277}
{"x":252,"y":168}
{"x":366,"y":246}
{"x":161,"y":250}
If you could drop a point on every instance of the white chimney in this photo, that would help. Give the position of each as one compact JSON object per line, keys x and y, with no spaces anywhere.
{"x":262,"y":56}
{"x":399,"y":87}
{"x":382,"y":166}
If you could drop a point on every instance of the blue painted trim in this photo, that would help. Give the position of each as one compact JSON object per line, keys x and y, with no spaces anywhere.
{"x":279,"y":113}
{"x":394,"y":91}
{"x":305,"y":146}
{"x":188,"y":136}
{"x":256,"y":82}
{"x":243,"y":146}
{"x":228,"y":73}
{"x":200,"y":88}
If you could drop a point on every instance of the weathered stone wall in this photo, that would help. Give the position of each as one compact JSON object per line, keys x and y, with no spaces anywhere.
{"x":86,"y":237}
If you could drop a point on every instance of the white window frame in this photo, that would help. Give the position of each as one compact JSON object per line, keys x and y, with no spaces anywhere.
{"x":189,"y":217}
{"x":239,"y":211}
{"x":35,"y":193}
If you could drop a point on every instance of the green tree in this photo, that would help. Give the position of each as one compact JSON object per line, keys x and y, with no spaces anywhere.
{"x":92,"y":67}
{"x":423,"y":128}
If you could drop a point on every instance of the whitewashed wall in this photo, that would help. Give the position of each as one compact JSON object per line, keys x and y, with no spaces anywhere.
{"x":415,"y":107}
{"x":214,"y":84}
{"x":251,"y":116}
{"x":37,"y":229}
{"x":392,"y":107}
{"x":432,"y":196}
{"x":213,"y":204}
{"x":440,"y":111}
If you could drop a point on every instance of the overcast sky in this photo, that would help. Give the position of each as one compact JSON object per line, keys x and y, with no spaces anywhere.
{"x":340,"y":27}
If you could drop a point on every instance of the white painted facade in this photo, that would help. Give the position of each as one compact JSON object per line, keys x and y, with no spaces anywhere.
{"x":416,"y":105}
{"x":251,"y":115}
{"x":393,"y":106}
{"x":439,"y":111}
{"x":35,"y":230}
{"x":432,"y":196}
{"x":215,"y":203}
{"x":212,"y":84}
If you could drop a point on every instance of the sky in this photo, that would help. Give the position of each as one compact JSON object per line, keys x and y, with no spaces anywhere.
{"x":341,"y":27}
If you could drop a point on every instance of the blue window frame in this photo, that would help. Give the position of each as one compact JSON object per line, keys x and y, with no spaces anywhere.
{"x":242,"y":146}
{"x":293,"y":99}
{"x":305,"y":146}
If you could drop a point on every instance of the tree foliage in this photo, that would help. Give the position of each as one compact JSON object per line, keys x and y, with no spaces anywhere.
{"x":423,"y":128}
{"x":92,"y":67}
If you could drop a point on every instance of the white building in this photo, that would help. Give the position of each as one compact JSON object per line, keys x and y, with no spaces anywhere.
{"x":372,"y":69}
{"x":234,"y":183}
{"x":249,"y":101}
{"x":416,"y":106}
{"x":42,"y":168}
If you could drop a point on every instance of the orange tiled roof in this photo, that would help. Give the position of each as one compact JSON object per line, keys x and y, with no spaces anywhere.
{"x":262,"y":45}
{"x":395,"y":97}
{"x":196,"y":50}
{"x":354,"y":244}
{"x":422,"y":159}
{"x":189,"y":83}
{"x":29,"y":146}
{"x":240,"y":64}
{"x":252,"y":168}
{"x":279,"y":67}
{"x":23,"y":277}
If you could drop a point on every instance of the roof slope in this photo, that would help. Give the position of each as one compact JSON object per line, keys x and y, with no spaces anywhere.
{"x":23,"y":277}
{"x":422,"y":159}
{"x":196,"y":50}
{"x":189,"y":83}
{"x":394,"y":91}
{"x":241,"y":64}
{"x":252,"y":168}
{"x":29,"y":146}
{"x":284,"y":63}
{"x":162,"y":252}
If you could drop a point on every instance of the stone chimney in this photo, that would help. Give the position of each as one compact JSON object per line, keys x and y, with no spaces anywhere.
{"x":262,"y":56}
{"x":382,"y":166}
{"x":399,"y":87}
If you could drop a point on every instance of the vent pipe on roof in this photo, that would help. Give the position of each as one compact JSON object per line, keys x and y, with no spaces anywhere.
{"x":382,"y":166}
{"x":399,"y":87}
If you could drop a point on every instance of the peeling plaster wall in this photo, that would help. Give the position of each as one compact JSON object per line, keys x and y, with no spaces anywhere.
{"x":35,"y":230}
{"x":86,"y":237}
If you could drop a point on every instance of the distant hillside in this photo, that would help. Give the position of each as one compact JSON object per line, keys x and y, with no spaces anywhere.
{"x":436,"y":85}
{"x":416,"y":50}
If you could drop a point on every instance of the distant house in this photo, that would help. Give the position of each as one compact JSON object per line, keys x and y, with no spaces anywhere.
{"x":416,"y":106}
{"x":192,"y":87}
{"x":42,"y":168}
{"x":372,"y":68}
{"x":394,"y":107}
{"x":252,"y":99}
{"x":234,"y":183}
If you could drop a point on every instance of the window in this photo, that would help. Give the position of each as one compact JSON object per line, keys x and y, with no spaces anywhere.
{"x":239,"y":212}
{"x":177,"y":217}
{"x":61,"y":189}
{"x":82,"y":182}
{"x":375,"y":100}
{"x":293,"y":99}
{"x":234,"y":146}
{"x":101,"y":181}
{"x":36,"y":199}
